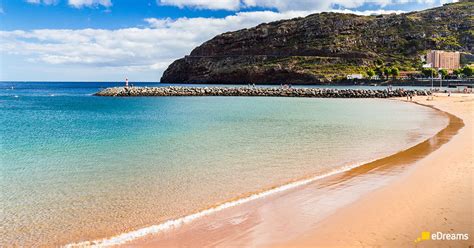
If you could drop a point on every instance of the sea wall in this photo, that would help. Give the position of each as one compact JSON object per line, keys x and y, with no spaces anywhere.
{"x":257,"y":91}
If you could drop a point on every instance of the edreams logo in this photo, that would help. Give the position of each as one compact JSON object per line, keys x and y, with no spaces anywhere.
{"x":442,"y":236}
{"x":424,"y":236}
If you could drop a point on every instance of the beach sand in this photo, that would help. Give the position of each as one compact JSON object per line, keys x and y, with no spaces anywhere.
{"x":385,"y":203}
{"x":436,"y":195}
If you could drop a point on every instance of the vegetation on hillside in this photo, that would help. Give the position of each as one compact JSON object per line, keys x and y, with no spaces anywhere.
{"x":329,"y":46}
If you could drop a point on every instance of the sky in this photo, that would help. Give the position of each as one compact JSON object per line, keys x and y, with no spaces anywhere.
{"x":108,"y":40}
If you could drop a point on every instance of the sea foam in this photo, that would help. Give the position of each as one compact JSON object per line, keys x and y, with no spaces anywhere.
{"x":176,"y":223}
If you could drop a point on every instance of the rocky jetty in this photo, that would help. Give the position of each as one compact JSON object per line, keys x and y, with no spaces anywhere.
{"x":257,"y":91}
{"x":326,"y":47}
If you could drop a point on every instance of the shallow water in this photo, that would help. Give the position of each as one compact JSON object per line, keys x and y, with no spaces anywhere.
{"x":77,"y":167}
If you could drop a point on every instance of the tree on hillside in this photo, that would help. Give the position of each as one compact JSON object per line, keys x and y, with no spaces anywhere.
{"x":457,"y":72}
{"x":468,"y":71}
{"x":443,"y":73}
{"x":395,"y":72}
{"x":370,"y":73}
{"x":379,"y":72}
{"x":387,"y":72}
{"x":429,"y":72}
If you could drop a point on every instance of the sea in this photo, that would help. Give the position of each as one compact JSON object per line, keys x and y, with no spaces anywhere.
{"x":76,"y":167}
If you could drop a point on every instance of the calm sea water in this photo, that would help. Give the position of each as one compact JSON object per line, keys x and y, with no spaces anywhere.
{"x":77,"y":167}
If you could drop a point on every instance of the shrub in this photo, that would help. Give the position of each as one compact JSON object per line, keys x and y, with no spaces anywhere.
{"x":443,"y":73}
{"x":395,"y":72}
{"x":370,"y":73}
{"x":468,"y":71}
{"x":429,"y":72}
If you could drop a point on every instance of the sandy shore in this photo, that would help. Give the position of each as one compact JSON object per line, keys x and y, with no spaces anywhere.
{"x":385,"y":203}
{"x":436,"y":195}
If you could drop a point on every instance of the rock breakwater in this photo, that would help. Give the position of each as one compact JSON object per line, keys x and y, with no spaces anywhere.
{"x":257,"y":91}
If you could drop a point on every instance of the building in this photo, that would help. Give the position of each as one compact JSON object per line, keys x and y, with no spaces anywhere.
{"x":375,"y":77}
{"x":443,"y":59}
{"x":355,"y":76}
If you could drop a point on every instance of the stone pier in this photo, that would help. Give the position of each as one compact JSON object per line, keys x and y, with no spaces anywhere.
{"x":257,"y":91}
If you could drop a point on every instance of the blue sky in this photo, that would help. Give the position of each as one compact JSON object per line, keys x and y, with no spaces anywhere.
{"x":108,"y":40}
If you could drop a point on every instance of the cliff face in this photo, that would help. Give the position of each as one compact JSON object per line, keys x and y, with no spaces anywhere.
{"x":326,"y":46}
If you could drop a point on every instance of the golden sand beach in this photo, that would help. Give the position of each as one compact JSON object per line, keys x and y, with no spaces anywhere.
{"x":436,"y":196}
{"x":385,"y":203}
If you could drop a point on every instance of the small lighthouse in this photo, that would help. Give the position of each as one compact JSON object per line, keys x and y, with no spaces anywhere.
{"x":126,"y":82}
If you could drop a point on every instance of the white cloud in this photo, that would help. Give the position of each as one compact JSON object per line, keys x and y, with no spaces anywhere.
{"x":151,"y":48}
{"x":203,"y":4}
{"x":145,"y":50}
{"x":289,"y":5}
{"x":286,"y":5}
{"x":204,"y":28}
{"x":235,"y":5}
{"x":90,"y":3}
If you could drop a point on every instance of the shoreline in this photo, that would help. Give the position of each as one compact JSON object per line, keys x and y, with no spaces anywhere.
{"x":125,"y":238}
{"x":435,"y":195}
{"x":148,"y":233}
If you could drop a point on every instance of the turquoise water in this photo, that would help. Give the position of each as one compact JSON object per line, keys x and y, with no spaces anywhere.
{"x":77,"y":167}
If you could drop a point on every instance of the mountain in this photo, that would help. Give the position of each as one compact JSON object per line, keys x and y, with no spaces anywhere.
{"x":326,"y":47}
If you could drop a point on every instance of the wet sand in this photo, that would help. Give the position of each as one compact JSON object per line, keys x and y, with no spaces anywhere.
{"x":387,"y":202}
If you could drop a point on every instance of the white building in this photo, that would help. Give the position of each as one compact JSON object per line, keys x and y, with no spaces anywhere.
{"x":355,"y":76}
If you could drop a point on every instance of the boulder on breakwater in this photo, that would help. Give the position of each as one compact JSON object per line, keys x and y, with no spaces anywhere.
{"x":257,"y":91}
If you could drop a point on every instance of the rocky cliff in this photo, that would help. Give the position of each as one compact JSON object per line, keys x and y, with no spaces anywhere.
{"x":326,"y":46}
